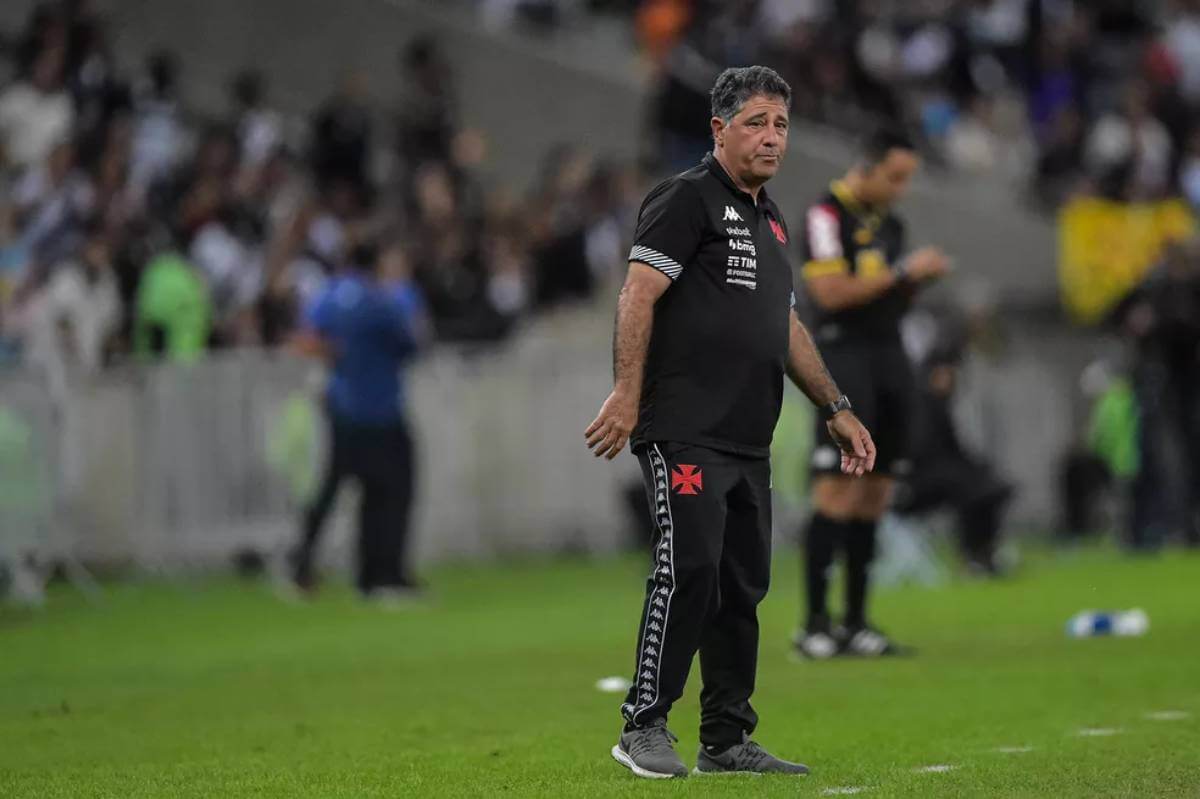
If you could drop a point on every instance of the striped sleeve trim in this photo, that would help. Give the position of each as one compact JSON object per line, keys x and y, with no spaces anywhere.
{"x":663,"y":263}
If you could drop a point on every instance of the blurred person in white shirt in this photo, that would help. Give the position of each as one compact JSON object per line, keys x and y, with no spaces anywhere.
{"x":66,"y":324}
{"x":1131,"y":139}
{"x":52,"y":202}
{"x":160,"y":138}
{"x":260,"y":129}
{"x":1182,"y":40}
{"x":35,"y":113}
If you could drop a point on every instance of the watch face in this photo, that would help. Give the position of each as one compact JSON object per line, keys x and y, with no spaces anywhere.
{"x":842,"y":403}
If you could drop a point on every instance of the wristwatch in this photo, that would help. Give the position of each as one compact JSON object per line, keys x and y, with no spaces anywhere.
{"x":832,"y":409}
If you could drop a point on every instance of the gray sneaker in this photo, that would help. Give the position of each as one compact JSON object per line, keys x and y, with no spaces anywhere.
{"x":745,"y":758}
{"x":650,"y":752}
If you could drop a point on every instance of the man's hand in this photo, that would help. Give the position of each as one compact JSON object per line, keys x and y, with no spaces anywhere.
{"x":926,"y":264}
{"x":609,"y":433}
{"x":858,"y":450}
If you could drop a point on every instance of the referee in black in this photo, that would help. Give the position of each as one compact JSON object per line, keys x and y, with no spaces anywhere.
{"x":861,"y":282}
{"x":705,"y":330}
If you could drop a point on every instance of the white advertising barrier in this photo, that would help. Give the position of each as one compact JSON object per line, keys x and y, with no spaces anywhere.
{"x":174,"y":466}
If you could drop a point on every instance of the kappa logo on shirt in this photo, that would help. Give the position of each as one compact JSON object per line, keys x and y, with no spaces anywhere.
{"x":731,"y":215}
{"x":687,"y":479}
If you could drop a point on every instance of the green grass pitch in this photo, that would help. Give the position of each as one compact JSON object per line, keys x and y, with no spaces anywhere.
{"x":216,"y":688}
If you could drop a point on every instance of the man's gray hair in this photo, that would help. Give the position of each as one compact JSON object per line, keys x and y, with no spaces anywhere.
{"x":736,"y":85}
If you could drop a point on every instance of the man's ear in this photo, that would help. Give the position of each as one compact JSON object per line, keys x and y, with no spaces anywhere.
{"x":718,"y":130}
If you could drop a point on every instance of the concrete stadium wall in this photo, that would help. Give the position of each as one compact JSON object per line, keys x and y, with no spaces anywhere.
{"x":176,"y":466}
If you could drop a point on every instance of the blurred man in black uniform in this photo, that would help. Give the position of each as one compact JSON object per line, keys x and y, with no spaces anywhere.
{"x":1163,"y":316}
{"x":860,"y":283}
{"x":945,"y":475}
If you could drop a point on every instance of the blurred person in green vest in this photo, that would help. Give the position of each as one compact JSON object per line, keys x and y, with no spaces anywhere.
{"x":172,"y":309}
{"x":1103,"y":462}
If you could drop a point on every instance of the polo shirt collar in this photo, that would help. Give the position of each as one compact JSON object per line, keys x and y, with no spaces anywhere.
{"x":718,"y":171}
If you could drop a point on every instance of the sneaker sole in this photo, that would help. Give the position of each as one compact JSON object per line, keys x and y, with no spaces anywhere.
{"x":627,"y":761}
{"x":723,"y":773}
{"x":797,"y":655}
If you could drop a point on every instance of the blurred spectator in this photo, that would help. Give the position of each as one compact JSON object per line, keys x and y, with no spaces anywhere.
{"x":172,"y":312}
{"x":448,"y":260}
{"x":159,"y":134}
{"x":560,"y":238}
{"x":51,"y":202}
{"x":341,"y":134}
{"x":680,"y":106}
{"x":972,"y":144}
{"x":945,"y":475}
{"x":232,"y":265}
{"x":258,"y":128}
{"x":1189,"y":170}
{"x":1163,"y":320}
{"x":68,"y":322}
{"x":36,"y":113}
{"x":427,"y":120}
{"x":1182,"y":41}
{"x":1105,"y":462}
{"x":1128,"y":150}
{"x":1058,"y":165}
{"x":659,"y":24}
{"x":97,"y":89}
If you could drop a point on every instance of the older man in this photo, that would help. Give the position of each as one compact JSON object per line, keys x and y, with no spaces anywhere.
{"x":706,"y":329}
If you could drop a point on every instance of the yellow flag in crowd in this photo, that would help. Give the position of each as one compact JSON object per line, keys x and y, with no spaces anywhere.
{"x":1106,"y":247}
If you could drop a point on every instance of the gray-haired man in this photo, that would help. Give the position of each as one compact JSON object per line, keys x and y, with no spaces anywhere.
{"x":706,"y":329}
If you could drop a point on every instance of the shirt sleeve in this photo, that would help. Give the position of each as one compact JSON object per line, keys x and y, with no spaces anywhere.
{"x":669,"y":229}
{"x":823,"y":243}
{"x":317,"y":315}
{"x":409,"y":321}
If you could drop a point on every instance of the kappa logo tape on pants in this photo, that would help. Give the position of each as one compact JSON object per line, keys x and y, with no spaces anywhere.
{"x":658,"y":601}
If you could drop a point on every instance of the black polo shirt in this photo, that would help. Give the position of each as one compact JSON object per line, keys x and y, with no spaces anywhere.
{"x":841,"y":236}
{"x":714,"y":371}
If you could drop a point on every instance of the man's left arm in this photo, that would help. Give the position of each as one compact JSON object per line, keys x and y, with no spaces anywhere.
{"x":807,"y":370}
{"x":312,"y":340}
{"x":411,"y":322}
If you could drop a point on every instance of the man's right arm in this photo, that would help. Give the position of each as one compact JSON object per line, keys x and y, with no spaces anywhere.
{"x":670,"y":227}
{"x":834,"y":286}
{"x":610,"y":431}
{"x":838,"y":291}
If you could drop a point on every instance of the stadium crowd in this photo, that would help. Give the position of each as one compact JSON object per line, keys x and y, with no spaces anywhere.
{"x":1070,"y":95}
{"x":131,"y":224}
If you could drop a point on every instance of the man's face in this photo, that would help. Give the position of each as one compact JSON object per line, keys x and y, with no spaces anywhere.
{"x":887,"y":181}
{"x":755,"y":140}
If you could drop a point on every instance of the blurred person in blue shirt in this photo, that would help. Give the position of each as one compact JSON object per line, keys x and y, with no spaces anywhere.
{"x":367,"y":323}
